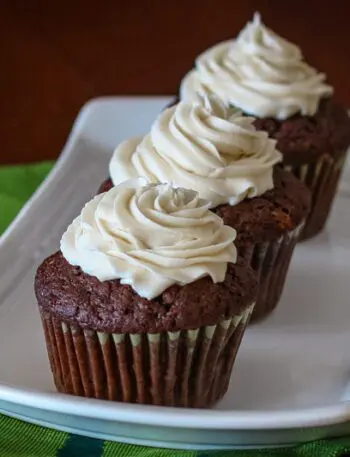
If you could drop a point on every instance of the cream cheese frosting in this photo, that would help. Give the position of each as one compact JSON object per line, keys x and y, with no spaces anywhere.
{"x":259,"y":72}
{"x":204,"y":146}
{"x":150,"y":237}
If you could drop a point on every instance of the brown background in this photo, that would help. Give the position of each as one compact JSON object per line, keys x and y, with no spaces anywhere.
{"x":55,"y":55}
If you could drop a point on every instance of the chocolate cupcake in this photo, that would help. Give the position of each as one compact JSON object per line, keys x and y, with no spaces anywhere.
{"x":219,"y":153}
{"x":265,"y":76}
{"x":146,"y":301}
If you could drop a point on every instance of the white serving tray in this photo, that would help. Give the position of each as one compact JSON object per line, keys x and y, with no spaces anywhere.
{"x":290,"y":381}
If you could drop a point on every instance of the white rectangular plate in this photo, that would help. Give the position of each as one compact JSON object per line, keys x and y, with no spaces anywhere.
{"x":290,"y":382}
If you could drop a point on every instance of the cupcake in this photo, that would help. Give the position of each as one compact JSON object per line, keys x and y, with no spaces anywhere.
{"x":265,"y":76}
{"x":146,"y":301}
{"x":219,"y":153}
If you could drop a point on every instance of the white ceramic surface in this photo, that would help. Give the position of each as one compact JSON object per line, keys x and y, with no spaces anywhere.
{"x":290,"y":382}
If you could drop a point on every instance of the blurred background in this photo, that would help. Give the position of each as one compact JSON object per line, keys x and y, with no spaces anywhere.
{"x":56,"y":55}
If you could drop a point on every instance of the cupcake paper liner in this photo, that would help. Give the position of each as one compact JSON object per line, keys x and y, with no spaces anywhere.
{"x":186,"y":368}
{"x":271,"y":261}
{"x":321,"y":177}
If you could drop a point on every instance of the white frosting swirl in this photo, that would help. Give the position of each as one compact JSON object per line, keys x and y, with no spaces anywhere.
{"x":150,"y":237}
{"x":260,"y":73}
{"x":206,"y":147}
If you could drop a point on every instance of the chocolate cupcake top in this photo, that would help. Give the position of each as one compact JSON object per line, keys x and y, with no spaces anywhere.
{"x":303,"y":139}
{"x":150,"y":237}
{"x":259,"y":72}
{"x":146,"y":259}
{"x":271,"y":215}
{"x":205,"y":146}
{"x":66,"y":292}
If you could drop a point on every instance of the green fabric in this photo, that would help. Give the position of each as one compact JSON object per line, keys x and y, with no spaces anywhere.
{"x":17,"y":183}
{"x":20,"y":439}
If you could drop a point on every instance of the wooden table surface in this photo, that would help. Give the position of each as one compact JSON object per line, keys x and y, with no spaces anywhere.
{"x":56,"y":55}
